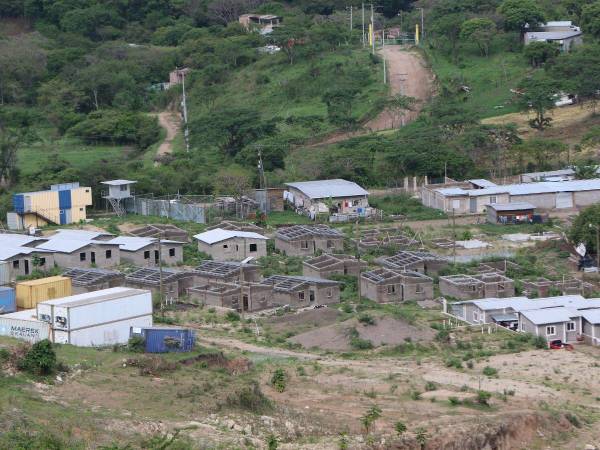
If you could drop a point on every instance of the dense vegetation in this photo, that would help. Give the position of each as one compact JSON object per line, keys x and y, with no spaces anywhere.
{"x":80,"y":83}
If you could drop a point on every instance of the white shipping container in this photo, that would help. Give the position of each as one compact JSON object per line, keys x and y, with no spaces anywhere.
{"x":24,"y":325}
{"x":101,"y":335}
{"x":97,"y":318}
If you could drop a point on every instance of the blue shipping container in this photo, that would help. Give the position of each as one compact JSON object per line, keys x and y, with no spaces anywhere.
{"x":8,"y":303}
{"x":165,"y":340}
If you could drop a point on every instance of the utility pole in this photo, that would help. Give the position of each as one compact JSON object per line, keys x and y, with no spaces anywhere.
{"x":372,"y":29}
{"x":422,"y":25}
{"x":384,"y":70}
{"x":186,"y":132}
{"x":351,"y":24}
{"x":453,"y":237}
{"x":263,"y":179}
{"x":363,"y":24}
{"x":160,"y":272}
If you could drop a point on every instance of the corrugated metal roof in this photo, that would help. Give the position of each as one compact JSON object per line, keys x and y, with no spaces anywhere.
{"x":329,"y":188}
{"x":541,"y":187}
{"x":591,"y":315}
{"x":527,"y":304}
{"x":85,"y":235}
{"x":118,"y":182}
{"x":548,"y":315}
{"x":482,"y":182}
{"x":513,"y":206}
{"x":94,"y":297}
{"x":218,"y":235}
{"x":7,"y":252}
{"x":17,"y":240}
{"x":134,"y":243}
{"x":551,"y":35}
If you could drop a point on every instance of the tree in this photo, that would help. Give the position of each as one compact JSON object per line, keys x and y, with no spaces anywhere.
{"x":339,"y":105}
{"x":40,"y":359}
{"x":290,"y":38}
{"x":234,"y":181}
{"x":540,"y":52}
{"x":538,"y":93}
{"x":230,"y":129}
{"x":590,"y":19}
{"x":479,"y":30}
{"x":541,"y":151}
{"x":518,"y":14}
{"x":370,"y":417}
{"x":10,"y":140}
{"x":446,"y":30}
{"x":585,"y":170}
{"x":583,"y":228}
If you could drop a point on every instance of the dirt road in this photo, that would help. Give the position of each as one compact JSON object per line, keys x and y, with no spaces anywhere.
{"x":169,"y":120}
{"x":407,"y":75}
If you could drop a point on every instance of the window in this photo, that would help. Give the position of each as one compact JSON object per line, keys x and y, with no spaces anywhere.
{"x":147,"y":254}
{"x":522,"y":326}
{"x":492,"y":199}
{"x":253,"y":247}
{"x":225,"y":246}
{"x":391,"y":288}
{"x":16,"y":264}
{"x":42,"y":261}
{"x":475,"y":316}
{"x":237,"y":248}
{"x":472,"y":287}
{"x":87,"y":191}
{"x":82,"y":256}
{"x":550,"y":331}
{"x":80,"y":209}
{"x":355,"y":203}
{"x":234,"y":300}
{"x":329,"y":293}
{"x":171,"y":252}
{"x":419,"y":289}
{"x":330,"y":244}
{"x":304,"y":245}
{"x":108,"y":254}
{"x":570,"y":326}
{"x":301,"y":295}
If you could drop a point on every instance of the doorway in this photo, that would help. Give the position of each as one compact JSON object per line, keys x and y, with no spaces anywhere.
{"x":311,"y":296}
{"x":93,"y":257}
{"x":245,"y":303}
{"x":156,"y":256}
{"x":26,"y":267}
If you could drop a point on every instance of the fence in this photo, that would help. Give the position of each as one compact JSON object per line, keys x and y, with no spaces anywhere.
{"x":182,"y":208}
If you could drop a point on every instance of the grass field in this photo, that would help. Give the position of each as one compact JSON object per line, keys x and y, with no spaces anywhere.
{"x":489,"y":79}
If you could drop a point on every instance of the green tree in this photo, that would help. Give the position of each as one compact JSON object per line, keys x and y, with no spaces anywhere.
{"x":10,"y":140}
{"x":40,"y":359}
{"x":479,"y":30}
{"x":540,"y":52}
{"x":538,"y":93}
{"x":590,"y":19}
{"x":339,"y":101}
{"x":585,"y":170}
{"x":543,"y":152}
{"x":518,"y":14}
{"x":583,"y":228}
{"x":446,"y":32}
{"x":230,"y":129}
{"x":370,"y":417}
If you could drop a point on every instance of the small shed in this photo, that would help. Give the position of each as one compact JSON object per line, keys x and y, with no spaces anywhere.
{"x":510,"y":213}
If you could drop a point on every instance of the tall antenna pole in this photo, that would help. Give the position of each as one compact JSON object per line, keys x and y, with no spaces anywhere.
{"x":351,"y":24}
{"x":363,"y":24}
{"x":186,"y":132}
{"x":372,"y":30}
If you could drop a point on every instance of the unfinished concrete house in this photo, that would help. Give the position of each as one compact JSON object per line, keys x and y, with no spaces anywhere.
{"x":163,"y":231}
{"x":326,"y":265}
{"x":543,"y":287}
{"x":299,"y":292}
{"x":306,"y":240}
{"x":388,"y":286}
{"x":502,"y":266}
{"x":385,"y":238}
{"x":418,"y":261}
{"x":145,"y":252}
{"x":228,"y":245}
{"x":225,"y":272}
{"x":469,"y":287}
{"x":241,"y":298}
{"x":89,"y":280}
{"x":233,"y":225}
{"x":82,"y":253}
{"x":175,"y":282}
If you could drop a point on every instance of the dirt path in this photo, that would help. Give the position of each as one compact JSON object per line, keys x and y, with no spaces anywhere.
{"x":407,"y":75}
{"x":169,"y":120}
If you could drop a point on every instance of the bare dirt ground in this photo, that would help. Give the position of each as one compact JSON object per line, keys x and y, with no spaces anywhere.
{"x":569,"y":123}
{"x":407,"y":75}
{"x":168,"y":120}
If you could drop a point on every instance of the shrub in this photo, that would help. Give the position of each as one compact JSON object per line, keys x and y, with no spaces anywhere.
{"x":443,"y":336}
{"x":136,"y":344}
{"x":490,"y":371}
{"x":430,"y":386}
{"x":454,"y":362}
{"x":539,"y":342}
{"x":400,"y":428}
{"x":40,"y":359}
{"x":366,"y":319}
{"x":232,"y":316}
{"x":249,"y":398}
{"x":483,"y":397}
{"x":454,"y":401}
{"x":573,"y":420}
{"x":415,"y":395}
{"x":279,"y":380}
{"x":272,"y":442}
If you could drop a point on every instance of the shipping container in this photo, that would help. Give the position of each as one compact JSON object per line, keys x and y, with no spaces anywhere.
{"x":165,"y":339}
{"x":24,"y":325}
{"x":14,"y":221}
{"x":8,"y":303}
{"x":41,"y":201}
{"x":97,"y":318}
{"x":81,"y":197}
{"x":4,"y":273}
{"x":77,"y":214}
{"x":30,"y":293}
{"x":64,"y":186}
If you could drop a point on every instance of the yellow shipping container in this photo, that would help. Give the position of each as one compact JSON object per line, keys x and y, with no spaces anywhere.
{"x":81,"y":197}
{"x":78,"y":213}
{"x":31,"y":220}
{"x":43,"y":200}
{"x":30,"y":293}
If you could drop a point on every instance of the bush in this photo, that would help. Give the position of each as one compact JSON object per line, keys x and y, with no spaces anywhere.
{"x":400,"y":428}
{"x":454,"y":362}
{"x":136,"y":344}
{"x":40,"y":359}
{"x":279,"y":380}
{"x":490,"y":371}
{"x":232,"y":316}
{"x":249,"y":398}
{"x":454,"y":401}
{"x":430,"y":386}
{"x":539,"y":342}
{"x":483,"y":397}
{"x":366,"y":319}
{"x":443,"y":336}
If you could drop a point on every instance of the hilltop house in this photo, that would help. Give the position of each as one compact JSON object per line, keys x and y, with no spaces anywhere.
{"x":562,"y":33}
{"x":145,"y":252}
{"x":306,"y":240}
{"x":231,"y":245}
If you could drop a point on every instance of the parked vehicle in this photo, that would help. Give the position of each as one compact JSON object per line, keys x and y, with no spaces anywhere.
{"x":558,"y":344}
